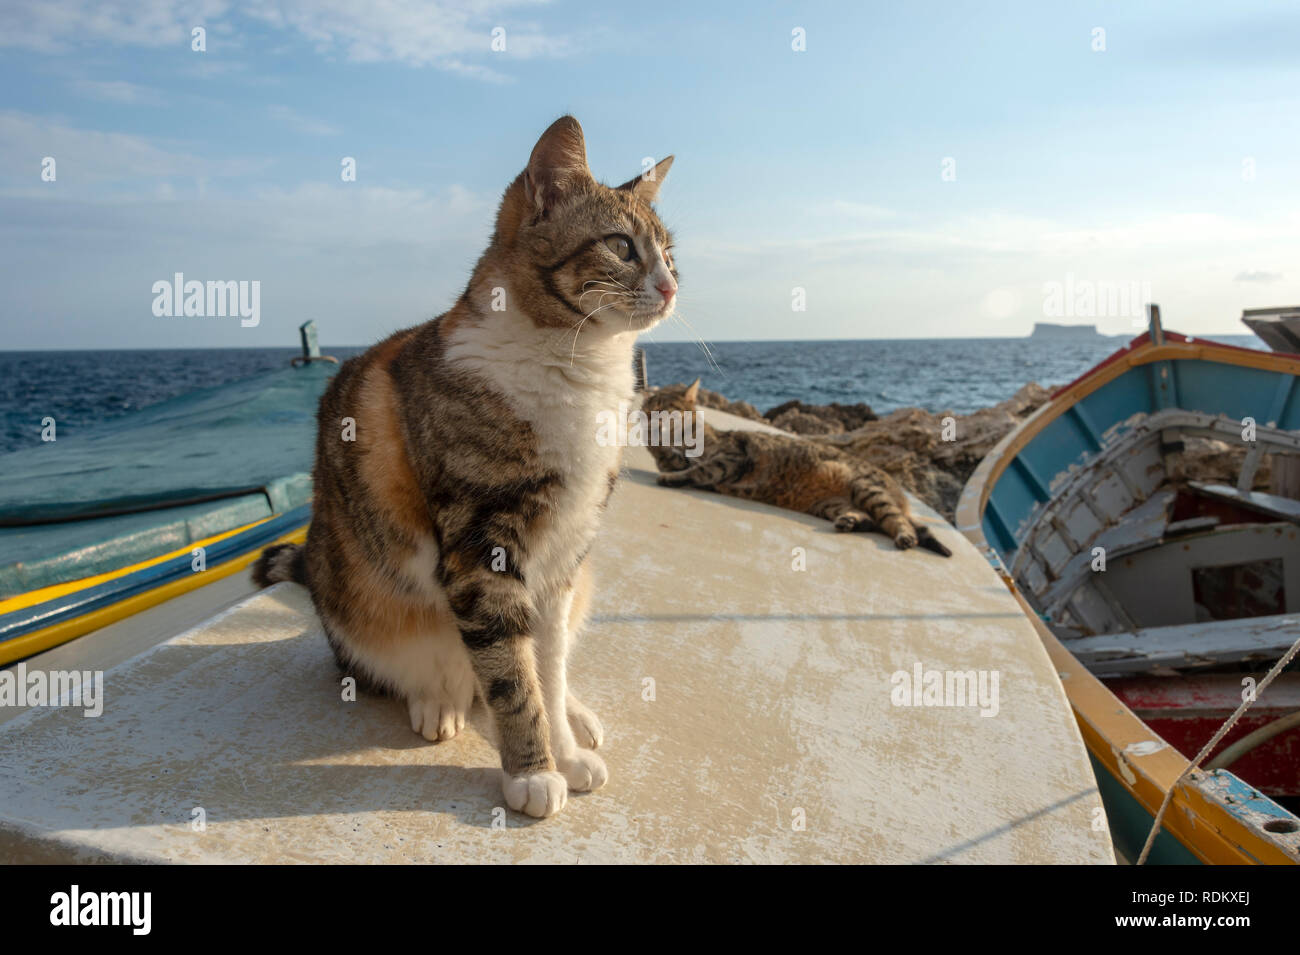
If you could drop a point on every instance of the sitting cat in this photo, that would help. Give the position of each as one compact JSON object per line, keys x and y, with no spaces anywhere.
{"x":459,"y":481}
{"x":784,"y":471}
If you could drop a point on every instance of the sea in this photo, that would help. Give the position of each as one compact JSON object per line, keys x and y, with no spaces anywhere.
{"x":81,"y":389}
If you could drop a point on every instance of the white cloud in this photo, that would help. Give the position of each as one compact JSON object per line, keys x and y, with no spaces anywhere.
{"x":55,"y":26}
{"x":363,"y":260}
{"x":90,"y":156}
{"x":1258,"y":275}
{"x":119,"y":91}
{"x":440,"y":33}
{"x":300,"y":123}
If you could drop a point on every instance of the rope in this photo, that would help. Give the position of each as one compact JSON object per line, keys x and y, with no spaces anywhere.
{"x":1228,"y":724}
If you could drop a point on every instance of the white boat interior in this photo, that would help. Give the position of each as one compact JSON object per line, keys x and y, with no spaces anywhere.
{"x":1142,"y":570}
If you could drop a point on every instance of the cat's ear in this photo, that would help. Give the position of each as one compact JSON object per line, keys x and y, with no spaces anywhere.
{"x":557,"y":165}
{"x":693,"y":392}
{"x":646,"y":186}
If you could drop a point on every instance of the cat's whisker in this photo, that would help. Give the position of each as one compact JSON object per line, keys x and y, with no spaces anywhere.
{"x":702,"y":343}
{"x":617,"y":282}
{"x":603,"y":291}
{"x":597,"y":282}
{"x":573,"y":353}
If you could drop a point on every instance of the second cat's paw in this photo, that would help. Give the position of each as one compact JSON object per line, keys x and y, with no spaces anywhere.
{"x":584,"y":771}
{"x":846,"y":522}
{"x":906,"y":540}
{"x":540,"y":794}
{"x":584,"y":724}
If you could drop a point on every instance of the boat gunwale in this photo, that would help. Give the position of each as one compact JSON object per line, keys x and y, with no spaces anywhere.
{"x":144,"y":585}
{"x":1108,"y":726}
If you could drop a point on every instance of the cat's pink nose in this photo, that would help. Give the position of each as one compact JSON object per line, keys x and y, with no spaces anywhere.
{"x":667,"y":289}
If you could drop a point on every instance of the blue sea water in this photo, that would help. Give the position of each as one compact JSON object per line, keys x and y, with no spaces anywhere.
{"x":80,"y":389}
{"x":960,"y":374}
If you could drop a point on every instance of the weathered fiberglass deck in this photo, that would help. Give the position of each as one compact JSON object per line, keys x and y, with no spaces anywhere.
{"x":747,"y":709}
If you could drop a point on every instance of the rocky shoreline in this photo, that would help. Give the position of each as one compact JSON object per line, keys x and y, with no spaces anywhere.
{"x":933,"y":462}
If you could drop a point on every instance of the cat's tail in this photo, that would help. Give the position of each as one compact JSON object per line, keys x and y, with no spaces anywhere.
{"x":280,"y":562}
{"x":927,"y":540}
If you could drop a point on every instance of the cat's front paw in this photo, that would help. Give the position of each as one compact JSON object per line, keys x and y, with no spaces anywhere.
{"x":584,"y":771}
{"x":436,"y":720}
{"x":539,"y":795}
{"x":846,"y":522}
{"x":585,"y":724}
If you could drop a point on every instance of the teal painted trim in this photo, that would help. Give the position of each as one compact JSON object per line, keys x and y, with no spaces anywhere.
{"x":1246,"y":803}
{"x":1130,"y":823}
{"x":1036,"y":483}
{"x":1086,"y":424}
{"x":1280,"y":398}
{"x":1006,"y":540}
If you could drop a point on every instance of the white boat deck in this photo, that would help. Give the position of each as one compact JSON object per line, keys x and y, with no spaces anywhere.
{"x":770,"y":737}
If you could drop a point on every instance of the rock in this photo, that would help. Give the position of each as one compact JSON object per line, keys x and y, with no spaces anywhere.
{"x":743,"y":409}
{"x":847,"y":417}
{"x":1217,"y":462}
{"x":801,"y":422}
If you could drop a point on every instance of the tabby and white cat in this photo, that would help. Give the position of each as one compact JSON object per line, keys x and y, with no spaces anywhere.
{"x":448,"y":541}
{"x":784,"y":471}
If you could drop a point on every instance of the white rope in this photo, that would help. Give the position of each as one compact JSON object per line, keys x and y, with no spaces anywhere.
{"x":1228,"y":724}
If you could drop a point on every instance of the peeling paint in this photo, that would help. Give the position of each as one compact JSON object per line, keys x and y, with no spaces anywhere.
{"x":1145,"y":748}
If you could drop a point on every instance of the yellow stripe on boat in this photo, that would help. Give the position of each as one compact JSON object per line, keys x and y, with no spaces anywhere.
{"x":33,"y":597}
{"x":52,"y":636}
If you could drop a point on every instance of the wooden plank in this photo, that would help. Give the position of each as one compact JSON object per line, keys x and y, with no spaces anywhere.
{"x":1271,"y":505}
{"x":1187,"y":646}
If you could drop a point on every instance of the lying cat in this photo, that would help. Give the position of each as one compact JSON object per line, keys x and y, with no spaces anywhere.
{"x":449,"y":534}
{"x":784,"y":471}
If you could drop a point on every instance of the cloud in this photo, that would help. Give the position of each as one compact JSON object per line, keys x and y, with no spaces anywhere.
{"x":444,"y":34}
{"x":1256,"y":275}
{"x":363,"y":260}
{"x":90,"y":156}
{"x":56,"y":26}
{"x":119,"y":91}
{"x":300,"y":123}
{"x":415,"y":32}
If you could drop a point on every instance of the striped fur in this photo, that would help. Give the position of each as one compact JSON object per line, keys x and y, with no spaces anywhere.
{"x":446,"y":553}
{"x":786,"y":471}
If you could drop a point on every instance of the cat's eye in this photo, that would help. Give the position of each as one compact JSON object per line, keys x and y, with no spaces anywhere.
{"x":621,"y":246}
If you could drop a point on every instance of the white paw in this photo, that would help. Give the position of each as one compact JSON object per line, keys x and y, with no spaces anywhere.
{"x":584,"y":771}
{"x":585,"y":724}
{"x":540,"y":795}
{"x":435,"y":720}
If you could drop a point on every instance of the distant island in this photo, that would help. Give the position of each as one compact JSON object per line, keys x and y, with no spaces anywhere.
{"x":1048,"y":330}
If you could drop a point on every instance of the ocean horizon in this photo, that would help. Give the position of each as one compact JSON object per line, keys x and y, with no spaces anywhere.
{"x":83,"y":388}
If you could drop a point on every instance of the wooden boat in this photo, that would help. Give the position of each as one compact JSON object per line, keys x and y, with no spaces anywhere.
{"x":97,"y":527}
{"x":1158,"y":596}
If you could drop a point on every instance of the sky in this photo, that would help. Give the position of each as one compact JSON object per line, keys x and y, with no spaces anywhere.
{"x":843,"y":170}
